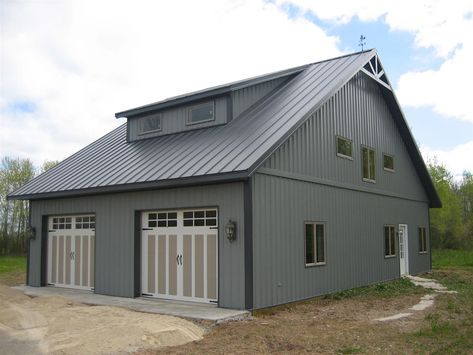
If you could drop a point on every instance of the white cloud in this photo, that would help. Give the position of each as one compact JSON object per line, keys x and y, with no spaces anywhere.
{"x":457,"y":160}
{"x":444,"y":26}
{"x":79,"y":62}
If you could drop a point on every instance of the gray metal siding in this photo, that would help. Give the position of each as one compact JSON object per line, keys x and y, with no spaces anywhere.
{"x":115,"y":215}
{"x":354,"y":238}
{"x":359,"y":112}
{"x":246,"y":97}
{"x":174,"y":120}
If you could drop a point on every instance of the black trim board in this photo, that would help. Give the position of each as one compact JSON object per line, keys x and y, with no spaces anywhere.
{"x":28,"y":247}
{"x":137,"y":255}
{"x":248,"y":239}
{"x":44,"y":250}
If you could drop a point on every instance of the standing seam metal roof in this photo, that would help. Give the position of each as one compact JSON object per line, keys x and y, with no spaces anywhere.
{"x":233,"y":150}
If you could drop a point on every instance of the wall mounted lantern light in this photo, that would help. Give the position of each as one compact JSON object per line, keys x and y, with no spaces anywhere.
{"x":230,"y":230}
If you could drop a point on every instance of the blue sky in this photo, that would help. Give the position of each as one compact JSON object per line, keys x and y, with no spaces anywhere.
{"x":62,"y":80}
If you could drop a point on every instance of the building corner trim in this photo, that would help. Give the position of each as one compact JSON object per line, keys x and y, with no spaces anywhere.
{"x":248,"y":239}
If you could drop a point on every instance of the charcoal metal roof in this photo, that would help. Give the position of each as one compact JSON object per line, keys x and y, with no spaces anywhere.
{"x":221,"y":153}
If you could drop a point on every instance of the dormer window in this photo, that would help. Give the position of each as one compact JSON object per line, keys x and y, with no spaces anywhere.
{"x":150,"y":124}
{"x":201,"y":113}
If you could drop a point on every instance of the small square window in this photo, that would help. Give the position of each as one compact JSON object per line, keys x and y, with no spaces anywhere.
{"x":188,"y":215}
{"x":172,"y":215}
{"x":199,"y":222}
{"x":152,"y":216}
{"x":211,"y":213}
{"x":151,"y":224}
{"x":314,"y":244}
{"x":162,"y":224}
{"x":150,"y":124}
{"x":211,"y":222}
{"x":389,"y":241}
{"x":172,"y":223}
{"x":344,"y":148}
{"x":161,"y":215}
{"x":422,"y":240}
{"x":199,"y":214}
{"x":388,"y":162}
{"x":201,"y":113}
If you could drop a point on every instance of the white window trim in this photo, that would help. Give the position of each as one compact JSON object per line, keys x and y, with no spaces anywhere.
{"x":189,"y":112}
{"x":308,"y":265}
{"x":425,"y":233}
{"x":388,"y":169}
{"x":384,"y":246}
{"x":144,"y":133}
{"x":373,"y":181}
{"x":340,"y":155}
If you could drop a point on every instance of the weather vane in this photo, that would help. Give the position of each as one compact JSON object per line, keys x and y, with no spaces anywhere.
{"x":362,"y":42}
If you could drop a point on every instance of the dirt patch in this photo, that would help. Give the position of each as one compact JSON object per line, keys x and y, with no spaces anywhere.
{"x":321,"y":325}
{"x":56,"y":325}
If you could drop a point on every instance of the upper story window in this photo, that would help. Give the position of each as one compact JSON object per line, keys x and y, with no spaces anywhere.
{"x":150,"y":124}
{"x":388,"y":162}
{"x":201,"y":113}
{"x":368,"y":164}
{"x":344,"y":148}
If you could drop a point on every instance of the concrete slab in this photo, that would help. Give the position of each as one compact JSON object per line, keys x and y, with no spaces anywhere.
{"x":189,"y":310}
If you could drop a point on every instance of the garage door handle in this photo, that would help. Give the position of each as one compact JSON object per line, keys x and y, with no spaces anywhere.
{"x":213,"y":227}
{"x":177,"y":259}
{"x":180,"y":258}
{"x":146,"y":229}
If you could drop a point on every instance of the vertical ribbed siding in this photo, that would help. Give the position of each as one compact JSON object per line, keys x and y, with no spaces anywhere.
{"x":354,"y":238}
{"x":114,"y":267}
{"x":358,"y":112}
{"x":354,"y":218}
{"x":246,"y":97}
{"x":174,"y":120}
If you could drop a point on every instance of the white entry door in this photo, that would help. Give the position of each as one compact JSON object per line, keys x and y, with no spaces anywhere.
{"x":71,"y":249}
{"x":179,"y":251}
{"x":403,"y":249}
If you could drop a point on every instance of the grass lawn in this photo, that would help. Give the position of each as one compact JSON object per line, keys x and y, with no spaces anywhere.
{"x":12,"y":270}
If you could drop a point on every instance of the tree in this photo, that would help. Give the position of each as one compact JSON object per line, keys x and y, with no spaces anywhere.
{"x":48,"y":164}
{"x":466,"y":192}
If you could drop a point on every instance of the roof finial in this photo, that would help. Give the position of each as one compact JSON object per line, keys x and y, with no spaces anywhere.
{"x":362,"y":42}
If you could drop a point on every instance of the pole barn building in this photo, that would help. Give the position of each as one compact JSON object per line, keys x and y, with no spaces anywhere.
{"x":260,"y":192}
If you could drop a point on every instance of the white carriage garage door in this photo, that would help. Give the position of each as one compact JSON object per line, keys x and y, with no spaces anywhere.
{"x":71,"y":249}
{"x":179,"y":252}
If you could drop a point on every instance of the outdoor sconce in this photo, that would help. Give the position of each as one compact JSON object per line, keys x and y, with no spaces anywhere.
{"x":31,"y":232}
{"x":230,"y":230}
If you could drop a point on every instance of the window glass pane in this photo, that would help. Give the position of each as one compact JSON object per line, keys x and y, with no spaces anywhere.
{"x":320,"y":246}
{"x":188,"y":223}
{"x":150,"y":124}
{"x":199,"y":222}
{"x":68,"y":219}
{"x":393,"y":241}
{"x":365,"y":164}
{"x":78,"y":225}
{"x":388,"y":161}
{"x":211,"y":213}
{"x":344,"y":147}
{"x":162,"y":224}
{"x":55,"y":225}
{"x":54,"y":220}
{"x":68,"y":226}
{"x":372,"y":169}
{"x":151,"y":224}
{"x":386,"y":241}
{"x":79,"y":219}
{"x":172,"y":215}
{"x":92,"y":219}
{"x":204,"y":112}
{"x":61,"y":220}
{"x":199,"y":214}
{"x":92,"y":225}
{"x":152,"y":216}
{"x":309,"y":244}
{"x":211,"y":222}
{"x":188,"y":214}
{"x":172,"y":223}
{"x":161,"y":215}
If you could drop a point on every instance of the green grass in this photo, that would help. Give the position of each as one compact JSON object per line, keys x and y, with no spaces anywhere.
{"x":388,"y":289}
{"x":451,"y":258}
{"x":12,"y":269}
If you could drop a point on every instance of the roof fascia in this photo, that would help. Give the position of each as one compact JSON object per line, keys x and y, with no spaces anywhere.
{"x":154,"y":185}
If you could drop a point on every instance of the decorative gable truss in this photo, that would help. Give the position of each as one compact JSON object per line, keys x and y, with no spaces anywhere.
{"x":374,"y":70}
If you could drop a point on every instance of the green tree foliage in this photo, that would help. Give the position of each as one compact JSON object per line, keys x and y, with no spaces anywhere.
{"x":13,"y":214}
{"x":450,"y":226}
{"x":48,"y":164}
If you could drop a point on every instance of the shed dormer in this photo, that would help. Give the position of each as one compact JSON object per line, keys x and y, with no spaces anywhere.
{"x":207,"y":108}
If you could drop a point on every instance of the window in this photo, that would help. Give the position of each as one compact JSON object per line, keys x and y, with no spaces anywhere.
{"x":368,"y":164}
{"x":62,"y":223}
{"x":85,"y":222}
{"x":314,"y":244}
{"x":200,"y":218}
{"x":344,"y":148}
{"x":388,"y":162}
{"x":389,"y":241}
{"x":422,"y":240}
{"x":162,"y":219}
{"x":150,"y":124}
{"x":201,"y":113}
